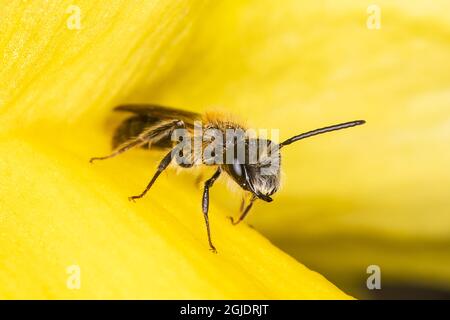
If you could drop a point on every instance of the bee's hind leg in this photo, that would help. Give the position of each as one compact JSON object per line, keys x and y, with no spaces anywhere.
{"x":153,"y":133}
{"x":128,"y":145}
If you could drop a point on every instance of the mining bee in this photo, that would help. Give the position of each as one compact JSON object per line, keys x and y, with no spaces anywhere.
{"x":153,"y":127}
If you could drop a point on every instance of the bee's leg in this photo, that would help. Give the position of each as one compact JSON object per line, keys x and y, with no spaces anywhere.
{"x":245,"y":212}
{"x":128,"y":145}
{"x":146,"y":137}
{"x":242,"y":204}
{"x":205,"y":204}
{"x":162,"y":166}
{"x":199,"y":180}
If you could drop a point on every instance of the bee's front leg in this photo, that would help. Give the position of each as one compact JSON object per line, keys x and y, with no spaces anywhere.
{"x":245,"y":212}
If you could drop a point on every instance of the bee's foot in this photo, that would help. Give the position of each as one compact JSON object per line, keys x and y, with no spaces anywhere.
{"x":212,"y":249}
{"x":232,"y":221}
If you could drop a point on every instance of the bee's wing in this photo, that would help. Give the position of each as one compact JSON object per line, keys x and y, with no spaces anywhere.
{"x":158,"y":112}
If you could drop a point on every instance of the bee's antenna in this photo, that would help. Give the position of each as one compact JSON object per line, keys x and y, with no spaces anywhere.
{"x":321,"y":130}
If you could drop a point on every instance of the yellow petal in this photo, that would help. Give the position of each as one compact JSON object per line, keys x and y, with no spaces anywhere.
{"x":376,"y":194}
{"x":57,"y":211}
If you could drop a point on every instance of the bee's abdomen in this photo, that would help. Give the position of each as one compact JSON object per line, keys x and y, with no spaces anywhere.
{"x":132,"y":127}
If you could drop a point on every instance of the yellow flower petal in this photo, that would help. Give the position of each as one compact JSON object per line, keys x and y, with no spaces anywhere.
{"x":376,"y":194}
{"x":57,"y":211}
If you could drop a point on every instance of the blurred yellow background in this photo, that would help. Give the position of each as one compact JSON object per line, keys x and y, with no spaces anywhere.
{"x":373,"y":195}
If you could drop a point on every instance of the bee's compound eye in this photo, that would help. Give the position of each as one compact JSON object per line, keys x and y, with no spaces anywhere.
{"x":237,"y":169}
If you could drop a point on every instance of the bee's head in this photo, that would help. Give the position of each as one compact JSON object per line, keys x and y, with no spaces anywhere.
{"x":262,"y":177}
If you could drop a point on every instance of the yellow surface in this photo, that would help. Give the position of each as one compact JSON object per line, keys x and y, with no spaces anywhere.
{"x":377,"y":194}
{"x":58,"y":86}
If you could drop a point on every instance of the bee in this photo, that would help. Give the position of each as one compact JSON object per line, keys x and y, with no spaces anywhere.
{"x":153,"y":127}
